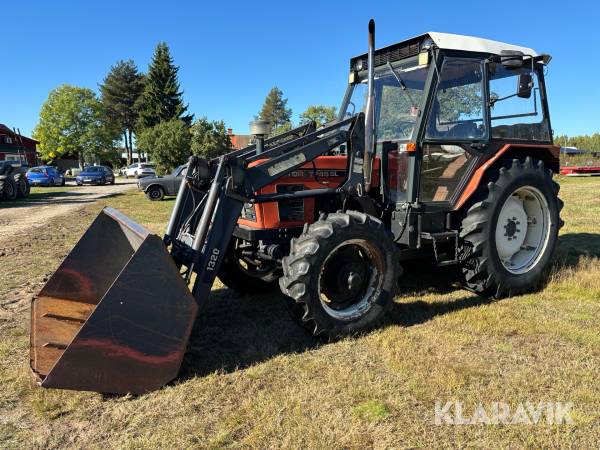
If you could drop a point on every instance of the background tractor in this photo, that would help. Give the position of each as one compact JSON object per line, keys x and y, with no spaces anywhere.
{"x":13,"y":182}
{"x":442,"y":149}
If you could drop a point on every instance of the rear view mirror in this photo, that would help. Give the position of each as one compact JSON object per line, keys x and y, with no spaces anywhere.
{"x":525,"y":85}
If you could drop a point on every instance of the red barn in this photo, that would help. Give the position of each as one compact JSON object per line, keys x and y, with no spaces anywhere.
{"x":239,"y":140}
{"x":16,"y":147}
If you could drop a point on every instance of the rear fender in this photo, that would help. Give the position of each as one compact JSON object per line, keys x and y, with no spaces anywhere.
{"x":547,"y":153}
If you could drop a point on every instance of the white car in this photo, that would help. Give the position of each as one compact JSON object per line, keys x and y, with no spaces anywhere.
{"x":139,"y":170}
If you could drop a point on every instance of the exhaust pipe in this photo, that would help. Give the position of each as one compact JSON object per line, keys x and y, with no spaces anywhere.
{"x":370,"y":112}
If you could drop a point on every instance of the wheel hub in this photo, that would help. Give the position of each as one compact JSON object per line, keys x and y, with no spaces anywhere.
{"x":522,"y":229}
{"x":511,"y":228}
{"x":346,"y":280}
{"x":351,"y":279}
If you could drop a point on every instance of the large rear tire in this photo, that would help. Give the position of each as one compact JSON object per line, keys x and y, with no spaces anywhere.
{"x":341,"y":274}
{"x":8,"y":189}
{"x":22,"y":186}
{"x":509,"y":236}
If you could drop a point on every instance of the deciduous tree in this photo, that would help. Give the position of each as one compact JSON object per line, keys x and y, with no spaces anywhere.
{"x":209,"y":139}
{"x":167,"y":143}
{"x":72,"y":124}
{"x":320,"y":114}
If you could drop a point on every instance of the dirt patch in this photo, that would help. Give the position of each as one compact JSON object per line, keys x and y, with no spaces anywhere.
{"x":23,"y":217}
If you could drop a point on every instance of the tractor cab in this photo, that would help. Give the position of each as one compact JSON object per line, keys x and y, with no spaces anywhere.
{"x":444,"y":104}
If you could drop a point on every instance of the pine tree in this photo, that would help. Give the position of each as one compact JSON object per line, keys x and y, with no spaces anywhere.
{"x":275,"y":110}
{"x":120,"y":93}
{"x":162,"y":100}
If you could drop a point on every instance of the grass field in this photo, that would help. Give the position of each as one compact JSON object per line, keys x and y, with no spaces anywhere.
{"x":253,"y":379}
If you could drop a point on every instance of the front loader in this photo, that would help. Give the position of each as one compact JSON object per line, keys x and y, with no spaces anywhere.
{"x":427,"y":159}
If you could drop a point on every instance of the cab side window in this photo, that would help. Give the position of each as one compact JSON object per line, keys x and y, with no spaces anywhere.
{"x":457,"y":112}
{"x":516,"y":112}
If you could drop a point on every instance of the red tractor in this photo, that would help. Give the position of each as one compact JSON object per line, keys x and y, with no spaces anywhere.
{"x":442,"y":149}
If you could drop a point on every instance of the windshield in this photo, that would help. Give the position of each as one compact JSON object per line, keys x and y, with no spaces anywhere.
{"x":398,"y":98}
{"x":178,"y":171}
{"x":93,"y":169}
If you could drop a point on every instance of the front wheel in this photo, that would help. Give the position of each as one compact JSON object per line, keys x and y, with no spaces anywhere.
{"x":508,"y":237}
{"x":155,"y":193}
{"x":341,"y":274}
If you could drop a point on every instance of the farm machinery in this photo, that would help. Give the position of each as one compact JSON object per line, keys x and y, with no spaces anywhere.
{"x":442,"y":149}
{"x":13,"y":182}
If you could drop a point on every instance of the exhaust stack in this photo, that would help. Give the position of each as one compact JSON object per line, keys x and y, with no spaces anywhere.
{"x":370,"y":112}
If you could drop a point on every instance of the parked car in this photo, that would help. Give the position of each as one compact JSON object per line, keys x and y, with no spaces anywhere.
{"x":139,"y":170}
{"x":95,"y":175}
{"x":45,"y":176}
{"x":157,"y":187}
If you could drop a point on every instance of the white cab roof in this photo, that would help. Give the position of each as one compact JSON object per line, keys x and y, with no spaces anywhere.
{"x":474,"y":44}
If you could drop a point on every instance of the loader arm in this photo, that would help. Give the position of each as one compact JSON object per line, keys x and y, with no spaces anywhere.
{"x":201,"y":239}
{"x":117,"y":314}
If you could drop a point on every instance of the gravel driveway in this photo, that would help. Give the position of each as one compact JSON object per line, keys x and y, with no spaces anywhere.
{"x":23,"y":217}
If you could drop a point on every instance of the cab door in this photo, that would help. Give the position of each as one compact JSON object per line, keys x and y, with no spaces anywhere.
{"x":456,"y":130}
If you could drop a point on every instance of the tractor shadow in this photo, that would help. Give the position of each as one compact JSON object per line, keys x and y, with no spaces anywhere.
{"x":234,"y":332}
{"x":574,"y":246}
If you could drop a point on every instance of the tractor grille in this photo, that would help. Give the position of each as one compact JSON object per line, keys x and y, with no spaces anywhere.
{"x":290,"y":210}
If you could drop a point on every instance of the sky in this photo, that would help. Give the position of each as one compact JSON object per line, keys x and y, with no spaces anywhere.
{"x":230,"y":53}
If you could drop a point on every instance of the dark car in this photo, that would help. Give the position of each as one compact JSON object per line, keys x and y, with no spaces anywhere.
{"x":95,"y":175}
{"x":45,"y":176}
{"x":156,"y":187}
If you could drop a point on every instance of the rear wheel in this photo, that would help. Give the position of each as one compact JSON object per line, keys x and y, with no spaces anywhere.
{"x":8,"y":189}
{"x":508,"y":237}
{"x":155,"y":193}
{"x":22,"y":186}
{"x":341,"y":274}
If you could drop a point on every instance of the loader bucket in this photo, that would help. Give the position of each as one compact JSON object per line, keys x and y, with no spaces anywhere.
{"x":116,"y":315}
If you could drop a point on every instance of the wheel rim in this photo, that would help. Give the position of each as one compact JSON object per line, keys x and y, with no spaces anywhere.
{"x":349,"y":278}
{"x":155,"y":194}
{"x":523,"y":229}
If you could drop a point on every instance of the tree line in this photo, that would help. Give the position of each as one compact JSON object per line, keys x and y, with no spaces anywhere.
{"x":144,"y":112}
{"x":583,"y":142}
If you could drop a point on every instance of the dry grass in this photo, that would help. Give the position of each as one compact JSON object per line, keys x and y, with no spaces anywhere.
{"x":254,"y":380}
